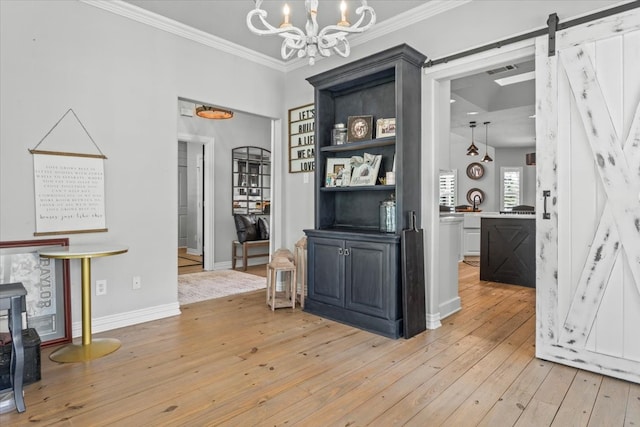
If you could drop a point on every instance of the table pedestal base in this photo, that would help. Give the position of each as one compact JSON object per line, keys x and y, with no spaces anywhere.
{"x":81,"y":353}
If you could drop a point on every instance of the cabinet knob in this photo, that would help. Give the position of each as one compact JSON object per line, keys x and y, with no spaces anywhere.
{"x":347,"y":252}
{"x":340,"y":251}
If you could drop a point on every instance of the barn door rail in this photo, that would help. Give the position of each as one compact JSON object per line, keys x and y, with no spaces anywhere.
{"x":553,"y":25}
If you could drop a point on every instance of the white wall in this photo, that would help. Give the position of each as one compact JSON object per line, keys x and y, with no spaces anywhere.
{"x":122,"y":78}
{"x":459,"y":160}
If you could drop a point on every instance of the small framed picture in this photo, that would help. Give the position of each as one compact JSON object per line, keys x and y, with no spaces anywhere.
{"x":338,"y":173}
{"x":365,"y":169}
{"x":359,"y":128}
{"x":385,"y":127}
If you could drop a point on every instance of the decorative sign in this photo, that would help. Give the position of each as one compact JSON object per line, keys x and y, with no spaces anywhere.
{"x":47,"y":283}
{"x":302,"y":128}
{"x":69,"y":193}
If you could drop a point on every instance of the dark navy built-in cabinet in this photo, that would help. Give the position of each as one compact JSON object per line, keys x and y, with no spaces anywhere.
{"x":354,"y":270}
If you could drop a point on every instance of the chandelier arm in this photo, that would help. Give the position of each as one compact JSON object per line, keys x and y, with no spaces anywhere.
{"x":330,"y":30}
{"x":270,"y":29}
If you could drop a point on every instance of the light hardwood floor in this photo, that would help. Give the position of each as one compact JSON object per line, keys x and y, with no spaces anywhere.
{"x":232,"y":361}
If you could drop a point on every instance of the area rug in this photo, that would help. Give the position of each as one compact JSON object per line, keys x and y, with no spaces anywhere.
{"x":473,"y":261}
{"x":196,"y":287}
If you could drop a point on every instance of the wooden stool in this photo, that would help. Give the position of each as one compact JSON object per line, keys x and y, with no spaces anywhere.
{"x":13,"y":298}
{"x":301,"y":265}
{"x":283,"y":253}
{"x":283,"y":265}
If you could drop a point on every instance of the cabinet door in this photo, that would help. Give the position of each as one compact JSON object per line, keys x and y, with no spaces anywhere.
{"x":472,"y":241}
{"x":326,"y":270}
{"x":370,"y":282}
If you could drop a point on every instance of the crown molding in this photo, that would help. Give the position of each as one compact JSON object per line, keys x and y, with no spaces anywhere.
{"x":409,"y":17}
{"x":143,"y":16}
{"x":388,"y":26}
{"x":135,"y":13}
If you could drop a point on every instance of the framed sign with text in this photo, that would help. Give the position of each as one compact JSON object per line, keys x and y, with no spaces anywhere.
{"x":47,"y":283}
{"x":301,"y":138}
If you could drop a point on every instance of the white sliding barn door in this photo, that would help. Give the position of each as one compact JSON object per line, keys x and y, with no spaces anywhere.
{"x":588,"y":151}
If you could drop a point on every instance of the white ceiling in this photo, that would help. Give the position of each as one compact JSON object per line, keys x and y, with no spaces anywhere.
{"x":507,"y":108}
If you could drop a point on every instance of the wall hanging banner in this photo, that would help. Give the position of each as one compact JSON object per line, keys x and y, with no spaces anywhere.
{"x":69,"y":194}
{"x":69,"y":187}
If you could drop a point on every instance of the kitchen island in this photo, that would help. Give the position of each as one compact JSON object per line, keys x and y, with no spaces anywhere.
{"x":508,"y":248}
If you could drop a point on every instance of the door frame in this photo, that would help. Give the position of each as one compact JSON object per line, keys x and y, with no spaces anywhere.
{"x":435,"y":103}
{"x":209,"y":193}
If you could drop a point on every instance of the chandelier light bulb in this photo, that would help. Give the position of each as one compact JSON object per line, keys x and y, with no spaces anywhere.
{"x":285,"y":11}
{"x":343,"y":15}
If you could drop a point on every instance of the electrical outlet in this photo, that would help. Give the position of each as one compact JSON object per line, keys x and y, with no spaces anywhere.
{"x":137,"y":282}
{"x":101,"y":287}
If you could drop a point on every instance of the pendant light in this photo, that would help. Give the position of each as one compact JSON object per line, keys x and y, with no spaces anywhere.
{"x":209,"y":112}
{"x":472,"y":150}
{"x":486,"y":157}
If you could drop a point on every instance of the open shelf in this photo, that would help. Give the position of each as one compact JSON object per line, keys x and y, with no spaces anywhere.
{"x":360,"y":145}
{"x":361,"y":188}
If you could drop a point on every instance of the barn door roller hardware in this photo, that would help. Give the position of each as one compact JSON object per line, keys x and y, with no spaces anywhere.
{"x":553,"y":25}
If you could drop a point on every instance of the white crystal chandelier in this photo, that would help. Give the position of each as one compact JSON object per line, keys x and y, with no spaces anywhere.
{"x":313,"y":42}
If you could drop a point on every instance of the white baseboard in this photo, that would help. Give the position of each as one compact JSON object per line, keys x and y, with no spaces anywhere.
{"x":447,"y":308}
{"x":121,"y":320}
{"x":433,"y":321}
{"x":226,"y":265}
{"x":193,"y":251}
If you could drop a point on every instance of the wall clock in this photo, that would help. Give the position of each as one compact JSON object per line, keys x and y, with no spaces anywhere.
{"x":475,"y":170}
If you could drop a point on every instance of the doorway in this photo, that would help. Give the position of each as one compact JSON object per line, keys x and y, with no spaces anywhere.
{"x":436,"y":93}
{"x":195,"y":160}
{"x":190,"y":207}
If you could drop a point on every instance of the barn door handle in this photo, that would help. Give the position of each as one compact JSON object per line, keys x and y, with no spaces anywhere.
{"x":545,"y":214}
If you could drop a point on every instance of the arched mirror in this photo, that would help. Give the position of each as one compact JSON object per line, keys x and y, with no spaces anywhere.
{"x":251,"y":180}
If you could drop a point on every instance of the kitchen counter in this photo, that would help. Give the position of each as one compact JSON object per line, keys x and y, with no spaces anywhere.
{"x":509,"y":215}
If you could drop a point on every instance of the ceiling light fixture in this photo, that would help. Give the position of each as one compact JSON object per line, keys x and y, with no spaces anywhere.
{"x":209,"y":112}
{"x":472,"y":150}
{"x":472,"y":113}
{"x":313,"y":42}
{"x":516,"y":79}
{"x":486,"y":157}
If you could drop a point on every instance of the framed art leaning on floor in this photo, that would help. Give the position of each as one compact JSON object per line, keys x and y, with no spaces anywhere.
{"x":47,"y":284}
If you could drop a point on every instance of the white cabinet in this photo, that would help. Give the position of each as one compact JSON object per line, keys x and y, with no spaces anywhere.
{"x":471,"y":234}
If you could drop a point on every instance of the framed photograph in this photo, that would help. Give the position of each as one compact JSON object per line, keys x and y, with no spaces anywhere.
{"x":385,"y":127}
{"x":365,"y":169}
{"x":359,"y":128}
{"x":47,"y":283}
{"x":338,"y":172}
